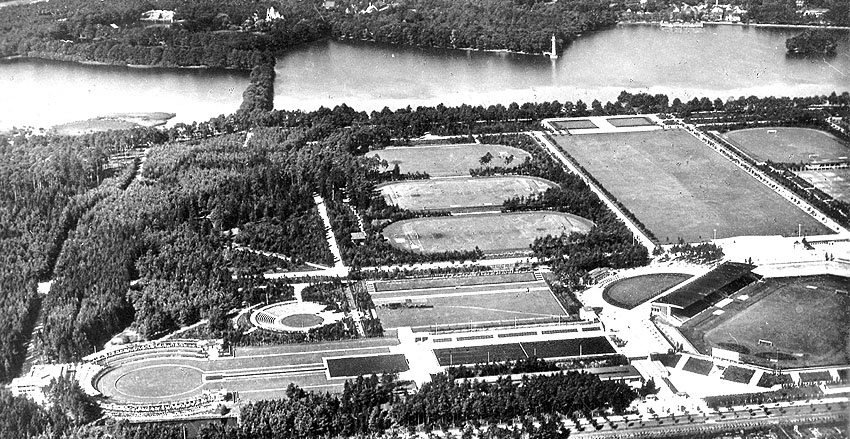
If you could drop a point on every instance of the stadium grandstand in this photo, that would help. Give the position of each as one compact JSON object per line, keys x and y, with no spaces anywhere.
{"x":710,"y":288}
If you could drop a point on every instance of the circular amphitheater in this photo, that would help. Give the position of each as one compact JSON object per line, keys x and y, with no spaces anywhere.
{"x":294,"y":316}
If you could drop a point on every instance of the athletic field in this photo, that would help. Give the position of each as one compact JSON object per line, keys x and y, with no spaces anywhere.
{"x":632,"y":291}
{"x":454,"y":281}
{"x":492,"y":233}
{"x":628,"y":122}
{"x":789,"y":145}
{"x":466,"y":304}
{"x":834,"y":182}
{"x":574,"y":124}
{"x":461,"y":193}
{"x":448,"y":160}
{"x":798,"y":321}
{"x":680,"y":188}
{"x":256,"y":373}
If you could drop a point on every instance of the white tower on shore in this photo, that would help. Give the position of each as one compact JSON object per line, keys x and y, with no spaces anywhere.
{"x":554,"y":53}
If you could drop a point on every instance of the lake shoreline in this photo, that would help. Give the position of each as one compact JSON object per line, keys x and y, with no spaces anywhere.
{"x":727,"y":23}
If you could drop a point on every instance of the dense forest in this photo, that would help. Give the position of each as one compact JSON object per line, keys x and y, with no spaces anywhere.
{"x":236,"y":33}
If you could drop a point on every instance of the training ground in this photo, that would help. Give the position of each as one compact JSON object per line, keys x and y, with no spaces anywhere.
{"x":477,"y":300}
{"x":834,"y":182}
{"x":789,"y":145}
{"x":447,"y":160}
{"x":461,"y":194}
{"x":801,"y":321}
{"x":492,"y":233}
{"x":680,"y":188}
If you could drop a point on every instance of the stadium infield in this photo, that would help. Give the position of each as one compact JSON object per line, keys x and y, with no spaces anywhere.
{"x":492,"y":233}
{"x":789,"y":145}
{"x":461,"y":193}
{"x":632,"y":291}
{"x":834,"y":182}
{"x":680,"y":188}
{"x":787,"y":322}
{"x":446,"y":306}
{"x":448,"y":160}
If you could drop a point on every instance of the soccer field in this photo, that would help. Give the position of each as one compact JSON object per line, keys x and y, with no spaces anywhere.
{"x":492,"y":233}
{"x":801,"y":321}
{"x":461,"y":193}
{"x":445,"y":306}
{"x":448,"y":160}
{"x":680,"y":188}
{"x":789,"y":145}
{"x":834,"y":182}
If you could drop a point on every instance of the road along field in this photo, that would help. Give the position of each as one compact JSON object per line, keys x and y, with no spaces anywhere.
{"x":256,"y":373}
{"x":466,"y":304}
{"x":680,"y":188}
{"x":789,"y":145}
{"x":448,"y":160}
{"x":789,"y":322}
{"x":834,"y":182}
{"x":492,"y":233}
{"x":461,"y":193}
{"x":632,"y":291}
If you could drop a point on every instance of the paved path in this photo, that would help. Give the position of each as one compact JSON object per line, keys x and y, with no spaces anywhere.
{"x":639,"y":235}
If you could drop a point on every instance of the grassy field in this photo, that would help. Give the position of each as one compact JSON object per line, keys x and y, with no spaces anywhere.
{"x":698,"y":365}
{"x":789,"y":145}
{"x":738,"y":374}
{"x":447,"y":160}
{"x":301,"y":320}
{"x":358,"y":366}
{"x":835,"y":182}
{"x":393,"y":296}
{"x":415,"y":284}
{"x":492,"y":233}
{"x":575,"y":124}
{"x":680,"y":188}
{"x":631,"y":292}
{"x":625,"y":122}
{"x":461,"y":193}
{"x":806,"y":326}
{"x":157,"y":382}
{"x":463,"y":308}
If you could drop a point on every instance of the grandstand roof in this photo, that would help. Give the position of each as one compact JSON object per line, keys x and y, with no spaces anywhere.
{"x":706,"y":284}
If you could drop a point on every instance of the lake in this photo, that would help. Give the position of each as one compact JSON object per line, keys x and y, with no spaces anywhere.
{"x":716,"y":61}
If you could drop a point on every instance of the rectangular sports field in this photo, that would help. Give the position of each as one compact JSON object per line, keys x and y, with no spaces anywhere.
{"x":799,"y":321}
{"x":834,"y":182}
{"x":680,"y":188}
{"x":626,"y":122}
{"x":368,"y":365}
{"x":459,"y":306}
{"x":413,"y":284}
{"x":575,"y":124}
{"x":448,"y":160}
{"x":462,"y":194}
{"x":789,"y":145}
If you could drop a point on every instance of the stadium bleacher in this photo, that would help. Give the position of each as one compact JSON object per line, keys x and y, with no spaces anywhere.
{"x":708,"y":289}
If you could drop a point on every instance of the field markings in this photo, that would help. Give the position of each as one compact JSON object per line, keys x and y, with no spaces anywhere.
{"x":462,"y":294}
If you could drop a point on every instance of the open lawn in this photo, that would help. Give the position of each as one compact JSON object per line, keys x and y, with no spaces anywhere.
{"x":789,"y":145}
{"x":492,"y":233}
{"x":447,"y":160}
{"x":800,"y":326}
{"x":463,"y":308}
{"x":698,"y":365}
{"x":441,"y":282}
{"x":574,"y":124}
{"x":625,"y":122}
{"x":680,"y":188}
{"x":358,"y":366}
{"x":834,"y":182}
{"x":461,"y":193}
{"x":738,"y":374}
{"x":631,"y":292}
